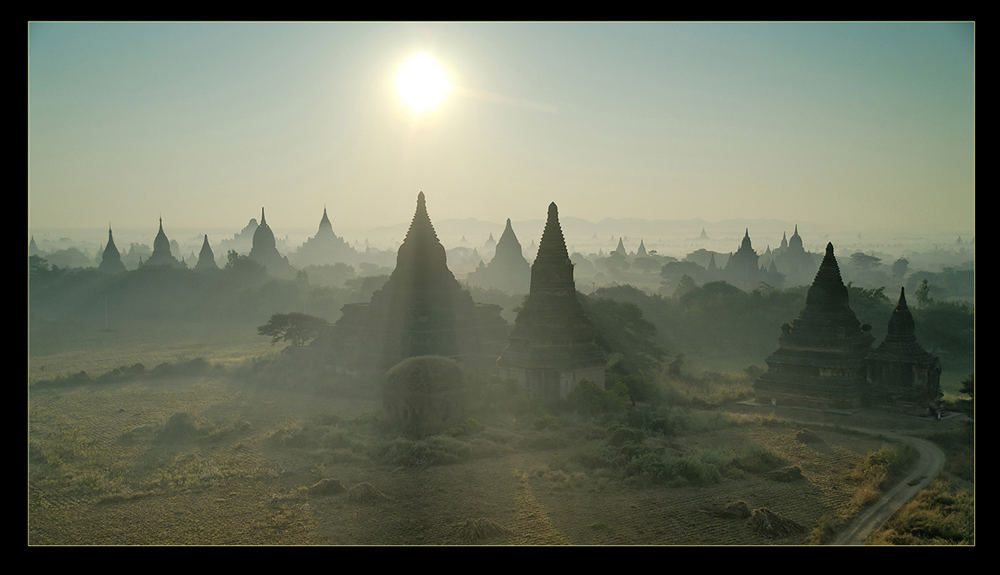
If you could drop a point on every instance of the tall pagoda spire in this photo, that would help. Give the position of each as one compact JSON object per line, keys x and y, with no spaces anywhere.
{"x":795,"y":242}
{"x":421,"y":245}
{"x":620,"y":249}
{"x":901,"y":374}
{"x":325,"y":227}
{"x":111,"y":260}
{"x":821,"y":356}
{"x":552,"y":269}
{"x":161,"y":255}
{"x":206,"y":258}
{"x":160,"y":242}
{"x":827,"y":290}
{"x":553,"y":344}
{"x":508,"y":270}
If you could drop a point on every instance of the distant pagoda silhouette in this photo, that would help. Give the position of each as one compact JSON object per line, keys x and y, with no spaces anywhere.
{"x":111,"y":259}
{"x":33,"y":249}
{"x":902,"y":374}
{"x":325,"y":247}
{"x":420,"y":310}
{"x":744,"y":268}
{"x":264,"y":251}
{"x":641,"y":252}
{"x":508,"y":270}
{"x":161,"y":256}
{"x":206,"y":258}
{"x":552,"y":347}
{"x":820,"y":361}
{"x":620,"y":250}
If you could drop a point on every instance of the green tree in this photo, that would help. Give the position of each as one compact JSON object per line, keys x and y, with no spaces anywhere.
{"x":968,"y":385}
{"x":295,"y":328}
{"x":864,"y":261}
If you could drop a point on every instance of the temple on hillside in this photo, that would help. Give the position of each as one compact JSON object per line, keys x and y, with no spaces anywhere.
{"x":161,"y":256}
{"x":901,"y":374}
{"x":820,"y":361}
{"x":508,"y":270}
{"x":111,"y":259}
{"x":206,"y":258}
{"x":264,"y":251}
{"x":324,"y":248}
{"x":421,"y":310}
{"x":552,"y":347}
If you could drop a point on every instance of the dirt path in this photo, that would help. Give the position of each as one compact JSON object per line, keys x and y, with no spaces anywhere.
{"x":931,"y":461}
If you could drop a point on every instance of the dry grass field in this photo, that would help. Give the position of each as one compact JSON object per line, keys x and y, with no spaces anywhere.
{"x":212,"y":459}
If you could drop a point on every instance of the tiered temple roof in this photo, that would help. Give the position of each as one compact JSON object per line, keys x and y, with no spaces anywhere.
{"x":206,"y":258}
{"x":793,"y":260}
{"x":821,"y":357}
{"x":421,"y":309}
{"x":552,"y":346}
{"x":325,"y":247}
{"x":161,"y":252}
{"x":642,"y":249}
{"x":901,"y":373}
{"x":620,"y":250}
{"x":265,"y":252}
{"x":743,"y":267}
{"x":111,"y":259}
{"x":508,"y":270}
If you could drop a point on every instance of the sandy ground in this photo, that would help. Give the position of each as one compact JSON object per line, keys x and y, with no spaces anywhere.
{"x":99,"y":476}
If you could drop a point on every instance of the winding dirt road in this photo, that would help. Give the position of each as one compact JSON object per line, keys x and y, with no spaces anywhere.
{"x":930,"y":463}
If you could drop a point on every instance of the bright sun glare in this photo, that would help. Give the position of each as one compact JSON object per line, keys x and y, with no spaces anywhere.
{"x":422,"y":83}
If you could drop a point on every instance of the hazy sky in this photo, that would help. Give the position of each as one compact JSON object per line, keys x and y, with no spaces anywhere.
{"x":867,"y":124}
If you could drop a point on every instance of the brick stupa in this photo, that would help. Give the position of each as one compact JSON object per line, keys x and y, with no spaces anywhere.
{"x":552,"y":347}
{"x":264,"y":251}
{"x":508,"y":271}
{"x":162,"y":257}
{"x":421,"y":310}
{"x":820,"y":361}
{"x":111,"y":259}
{"x":901,"y":374}
{"x":325,"y":247}
{"x":206,"y":258}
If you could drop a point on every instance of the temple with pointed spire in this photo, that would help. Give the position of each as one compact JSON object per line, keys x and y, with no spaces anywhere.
{"x":820,"y":361}
{"x":553,"y":345}
{"x":264,"y":251}
{"x":420,"y":310}
{"x":743,"y":269}
{"x":324,"y":248}
{"x":641,"y":252}
{"x":902,"y":374}
{"x":620,"y":249}
{"x":33,"y":249}
{"x":792,"y":260}
{"x":206,"y":258}
{"x":111,"y":258}
{"x":162,"y":257}
{"x":508,"y":271}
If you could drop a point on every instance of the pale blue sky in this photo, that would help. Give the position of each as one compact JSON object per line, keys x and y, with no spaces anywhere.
{"x":868,"y":124}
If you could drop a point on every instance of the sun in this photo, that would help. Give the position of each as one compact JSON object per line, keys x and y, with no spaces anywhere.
{"x":422,"y":83}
